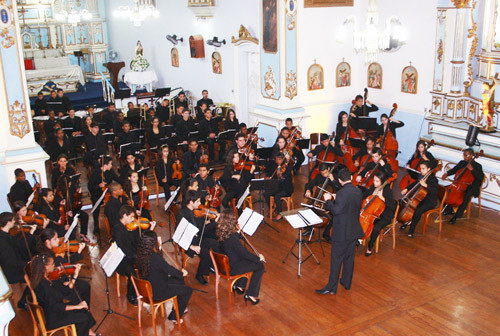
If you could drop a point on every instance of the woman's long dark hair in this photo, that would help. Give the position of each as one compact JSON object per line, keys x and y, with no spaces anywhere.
{"x":341,"y":114}
{"x":417,"y":153}
{"x":46,"y":234}
{"x":147,"y":246}
{"x":226,"y":226}
{"x":229,"y":159}
{"x":38,"y":269}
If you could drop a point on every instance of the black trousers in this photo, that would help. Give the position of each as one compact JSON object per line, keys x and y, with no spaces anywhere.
{"x":230,"y":194}
{"x":82,"y":319}
{"x":176,"y":287}
{"x":95,"y":216}
{"x":419,"y":211}
{"x":342,"y":257}
{"x":278,"y":195}
{"x":378,"y":225}
{"x":469,"y":193}
{"x":299,"y":158}
{"x":205,"y":260}
{"x":126,"y":268}
{"x":257,"y":269}
{"x":84,"y":221}
{"x":211,"y":148}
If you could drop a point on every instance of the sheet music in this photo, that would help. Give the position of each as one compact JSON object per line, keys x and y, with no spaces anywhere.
{"x":31,"y":198}
{"x":171,"y":199}
{"x":311,"y":217}
{"x":184,"y":234}
{"x":295,"y":221}
{"x":99,"y":201}
{"x":111,"y":259}
{"x":242,"y":198}
{"x":249,"y":221}
{"x":71,"y":228}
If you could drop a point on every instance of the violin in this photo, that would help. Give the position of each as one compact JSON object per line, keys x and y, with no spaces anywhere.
{"x":73,"y":246}
{"x":144,"y":203}
{"x":141,"y":223}
{"x":177,"y":168}
{"x":413,"y":166}
{"x":463,"y":179}
{"x":16,"y":230}
{"x":204,"y":211}
{"x":388,"y":142}
{"x":371,"y":209}
{"x":62,"y":212}
{"x":77,"y":197}
{"x":65,"y":269}
{"x":32,"y":217}
{"x":36,"y":189}
{"x":215,"y":193}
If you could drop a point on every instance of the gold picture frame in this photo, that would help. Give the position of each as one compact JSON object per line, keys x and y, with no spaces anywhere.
{"x":374,"y":76}
{"x":216,"y":63}
{"x":343,"y":75}
{"x":409,"y":80}
{"x":315,"y":77}
{"x":174,"y":55}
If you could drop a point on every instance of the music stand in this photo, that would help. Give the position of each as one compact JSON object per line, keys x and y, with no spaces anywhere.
{"x":168,"y":204}
{"x":303,"y":143}
{"x":133,"y":147}
{"x":367,"y":123}
{"x":264,"y":154}
{"x":298,"y":221}
{"x":263,"y":184}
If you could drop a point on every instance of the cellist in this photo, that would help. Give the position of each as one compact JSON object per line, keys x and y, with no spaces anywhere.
{"x":342,"y":124}
{"x":296,"y":153}
{"x":279,"y":169}
{"x":473,"y":189}
{"x":361,"y":108}
{"x":421,"y":154}
{"x":386,"y":196}
{"x":325,"y":143}
{"x":377,"y":161}
{"x":430,"y":200}
{"x":388,"y":125}
{"x":364,"y":155}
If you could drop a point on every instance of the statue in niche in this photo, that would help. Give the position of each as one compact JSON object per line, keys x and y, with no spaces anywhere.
{"x":488,"y":104}
{"x":139,"y":63}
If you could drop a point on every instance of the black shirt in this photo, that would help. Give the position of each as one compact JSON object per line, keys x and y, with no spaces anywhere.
{"x":20,"y":191}
{"x":231,"y":125}
{"x":10,"y":260}
{"x":164,"y":169}
{"x":190,"y":162}
{"x":178,"y":103}
{"x":96,"y":145}
{"x":54,"y":148}
{"x":163,"y":113}
{"x":432,"y":189}
{"x":205,"y":127}
{"x":96,"y":179}
{"x":390,"y":205}
{"x":40,"y":107}
{"x":154,"y":138}
{"x":183,"y":128}
{"x":392,"y":128}
{"x":74,"y":123}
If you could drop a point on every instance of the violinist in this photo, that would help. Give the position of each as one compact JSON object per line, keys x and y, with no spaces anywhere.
{"x":191,"y":159}
{"x":291,"y":147}
{"x":292,"y":129}
{"x":61,"y":168}
{"x":250,"y":138}
{"x":325,"y":143}
{"x":95,"y":144}
{"x":377,"y":163}
{"x":281,"y":147}
{"x":188,"y":184}
{"x":100,"y":177}
{"x":473,"y":189}
{"x":359,"y":109}
{"x":234,"y":181}
{"x":193,"y":202}
{"x":135,"y":193}
{"x":22,"y":220}
{"x":166,"y":281}
{"x":132,"y":163}
{"x":12,"y":261}
{"x":50,"y":209}
{"x":163,"y":169}
{"x":429,"y":202}
{"x":205,"y":182}
{"x":386,"y":196}
{"x":58,"y":312}
{"x":127,"y":241}
{"x":66,"y":191}
{"x":59,"y":145}
{"x":388,"y":124}
{"x":116,"y":201}
{"x":279,"y":169}
{"x":244,"y":148}
{"x":240,"y":259}
{"x":21,"y":189}
{"x":208,"y":129}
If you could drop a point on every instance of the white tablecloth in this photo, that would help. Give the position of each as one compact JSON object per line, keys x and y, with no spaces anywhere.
{"x":140,"y":77}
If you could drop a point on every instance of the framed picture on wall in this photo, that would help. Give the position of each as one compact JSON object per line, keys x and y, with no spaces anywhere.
{"x":328,"y":3}
{"x":270,"y":26}
{"x":174,"y":54}
{"x":375,"y":76}
{"x":343,"y":74}
{"x":315,"y":77}
{"x":216,"y":63}
{"x":409,"y":80}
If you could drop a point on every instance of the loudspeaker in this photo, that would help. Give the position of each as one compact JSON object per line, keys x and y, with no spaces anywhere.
{"x":471,"y":138}
{"x":120,"y":94}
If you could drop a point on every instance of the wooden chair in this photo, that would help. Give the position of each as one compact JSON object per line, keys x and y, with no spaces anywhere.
{"x":248,"y":202}
{"x":288,"y":202}
{"x":478,"y":200}
{"x":144,"y":293}
{"x":221,"y":265}
{"x":315,"y":140}
{"x":38,"y":318}
{"x":439,"y":211}
{"x":157,"y":188}
{"x":393,"y":228}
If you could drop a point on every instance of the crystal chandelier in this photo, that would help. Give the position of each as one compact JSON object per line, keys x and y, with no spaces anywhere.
{"x":67,"y":13}
{"x":141,"y":10}
{"x":372,"y":40}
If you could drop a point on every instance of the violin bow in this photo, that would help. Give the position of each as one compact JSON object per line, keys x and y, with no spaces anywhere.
{"x":67,"y":275}
{"x":249,"y":244}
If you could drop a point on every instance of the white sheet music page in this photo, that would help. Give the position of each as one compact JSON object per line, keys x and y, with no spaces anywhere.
{"x":171,"y":199}
{"x":111,"y":259}
{"x":242,"y":198}
{"x":295,"y":221}
{"x":249,"y":221}
{"x":184,"y":234}
{"x":311,"y":217}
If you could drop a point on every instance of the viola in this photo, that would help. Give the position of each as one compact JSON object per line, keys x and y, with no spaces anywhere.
{"x":16,"y":230}
{"x":215,"y":193}
{"x":177,"y":168}
{"x":144,"y":203}
{"x":65,"y":269}
{"x":32,"y":217}
{"x":141,"y":223}
{"x":388,"y":142}
{"x":371,"y":209}
{"x":463,"y":179}
{"x":73,"y":246}
{"x":244,"y":165}
{"x":204,"y":211}
{"x":324,"y":155}
{"x":77,"y":198}
{"x":62,"y":214}
{"x":414,"y":164}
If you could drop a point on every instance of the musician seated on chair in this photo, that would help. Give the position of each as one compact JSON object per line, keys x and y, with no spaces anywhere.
{"x":209,"y":129}
{"x":429,"y":202}
{"x":240,"y":259}
{"x":183,"y":127}
{"x":181,"y":101}
{"x":95,"y":143}
{"x":115,"y":202}
{"x":166,"y":281}
{"x":205,"y":182}
{"x":325,"y":143}
{"x":235,"y":181}
{"x":390,"y":124}
{"x":126,"y":137}
{"x":203,"y":241}
{"x":473,"y":189}
{"x":191,"y":159}
{"x":135,"y":192}
{"x":204,"y":100}
{"x":386,"y":196}
{"x":132,"y":163}
{"x":364,"y":155}
{"x":319,"y":180}
{"x":46,"y":206}
{"x":377,"y":161}
{"x":21,"y":189}
{"x":279,"y":169}
{"x":296,"y":152}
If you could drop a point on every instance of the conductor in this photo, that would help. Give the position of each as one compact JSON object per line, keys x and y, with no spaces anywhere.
{"x":346,"y":230}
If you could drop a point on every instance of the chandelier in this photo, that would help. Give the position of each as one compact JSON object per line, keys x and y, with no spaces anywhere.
{"x":141,"y":10}
{"x":66,"y":12}
{"x":371,"y":41}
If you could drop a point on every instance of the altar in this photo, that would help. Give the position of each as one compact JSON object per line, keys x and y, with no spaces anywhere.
{"x":137,"y":79}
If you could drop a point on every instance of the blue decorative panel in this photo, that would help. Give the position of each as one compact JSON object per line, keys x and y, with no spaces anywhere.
{"x":291,"y":49}
{"x":270,"y":55}
{"x":82,"y":35}
{"x":439,"y":52}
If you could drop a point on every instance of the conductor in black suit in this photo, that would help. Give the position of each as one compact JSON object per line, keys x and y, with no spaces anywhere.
{"x":346,"y":231}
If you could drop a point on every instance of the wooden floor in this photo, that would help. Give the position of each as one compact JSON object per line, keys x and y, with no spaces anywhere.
{"x":437,"y":284}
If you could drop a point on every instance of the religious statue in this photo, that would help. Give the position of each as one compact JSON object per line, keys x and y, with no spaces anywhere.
{"x":488,"y":104}
{"x":139,"y":63}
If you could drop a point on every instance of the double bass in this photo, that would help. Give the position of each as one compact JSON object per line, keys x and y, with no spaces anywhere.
{"x":371,"y":209}
{"x":387,"y":142}
{"x":347,"y":149}
{"x":413,"y":166}
{"x":463,"y":179}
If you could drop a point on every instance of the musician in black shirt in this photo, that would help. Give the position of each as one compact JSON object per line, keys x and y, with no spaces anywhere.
{"x":49,"y":124}
{"x":234,"y":181}
{"x":279,"y":169}
{"x":55,"y":104}
{"x":65,"y":102}
{"x":181,"y":101}
{"x":191,"y":159}
{"x":126,"y":137}
{"x":319,"y":180}
{"x":391,"y":123}
{"x":183,"y":127}
{"x":205,"y":182}
{"x":360,"y":109}
{"x":231,"y":122}
{"x":376,"y":160}
{"x":163,"y":170}
{"x":430,"y":200}
{"x":108,"y":116}
{"x":204,"y":99}
{"x":297,"y":152}
{"x":46,"y":206}
{"x":73,"y":122}
{"x":95,"y":143}
{"x":21,"y":190}
{"x":209,"y":128}
{"x":132,"y":163}
{"x":163,"y":112}
{"x":40,"y":105}
{"x":59,"y":145}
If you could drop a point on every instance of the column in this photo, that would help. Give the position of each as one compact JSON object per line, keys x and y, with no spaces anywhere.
{"x":18,"y":148}
{"x":457,"y":62}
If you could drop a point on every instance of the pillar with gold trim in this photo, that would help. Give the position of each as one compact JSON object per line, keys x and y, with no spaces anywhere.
{"x":18,"y":148}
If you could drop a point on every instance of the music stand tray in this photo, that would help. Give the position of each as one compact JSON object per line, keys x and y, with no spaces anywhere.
{"x":368,"y":123}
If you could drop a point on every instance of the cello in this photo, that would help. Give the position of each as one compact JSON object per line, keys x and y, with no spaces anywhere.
{"x":325,"y":155}
{"x":347,"y":149}
{"x":371,"y":209}
{"x":463,"y":179}
{"x":388,"y":142}
{"x":413,"y":166}
{"x":318,"y":200}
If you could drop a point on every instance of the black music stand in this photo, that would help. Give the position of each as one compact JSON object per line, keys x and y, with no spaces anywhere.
{"x":264,"y":154}
{"x":263,"y":184}
{"x":303,"y":143}
{"x":367,"y":123}
{"x":132,"y":147}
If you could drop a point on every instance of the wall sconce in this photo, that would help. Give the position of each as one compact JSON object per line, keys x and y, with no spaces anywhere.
{"x":215,"y":42}
{"x":174,"y":39}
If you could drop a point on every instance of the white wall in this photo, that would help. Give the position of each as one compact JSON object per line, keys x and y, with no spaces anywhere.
{"x":176,"y":18}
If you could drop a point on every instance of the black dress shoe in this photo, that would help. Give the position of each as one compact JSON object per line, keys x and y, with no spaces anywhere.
{"x":367,"y":254}
{"x":403,"y":227}
{"x":247,"y":298}
{"x":346,"y":287}
{"x":132,"y":300}
{"x":238,"y":290}
{"x":23,"y":305}
{"x":201,"y":279}
{"x":453,"y":220}
{"x":327,"y":238}
{"x":324,"y":291}
{"x":448,"y":211}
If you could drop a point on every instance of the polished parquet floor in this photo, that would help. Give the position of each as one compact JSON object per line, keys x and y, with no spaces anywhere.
{"x":438,"y":284}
